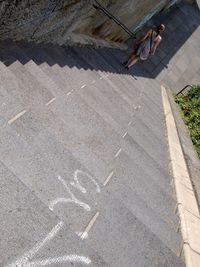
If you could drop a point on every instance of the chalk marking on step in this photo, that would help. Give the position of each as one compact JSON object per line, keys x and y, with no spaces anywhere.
{"x":16,"y":117}
{"x":81,"y":233}
{"x":23,"y":261}
{"x":67,"y":258}
{"x":125,"y":135}
{"x":83,"y":86}
{"x":52,"y":100}
{"x":118,"y":152}
{"x":72,"y":198}
{"x":90,"y":225}
{"x":69,"y":93}
{"x":108,"y":178}
{"x":129,"y":123}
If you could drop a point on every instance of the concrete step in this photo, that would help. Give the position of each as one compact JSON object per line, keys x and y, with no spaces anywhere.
{"x":27,"y":88}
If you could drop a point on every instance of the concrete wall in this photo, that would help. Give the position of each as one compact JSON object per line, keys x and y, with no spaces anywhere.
{"x":61,"y":21}
{"x":40,"y":19}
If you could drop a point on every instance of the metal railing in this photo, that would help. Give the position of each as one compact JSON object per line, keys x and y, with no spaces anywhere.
{"x":181,"y":91}
{"x":97,"y":5}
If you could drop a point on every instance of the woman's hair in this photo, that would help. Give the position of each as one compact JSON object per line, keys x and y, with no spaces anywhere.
{"x":160,"y":28}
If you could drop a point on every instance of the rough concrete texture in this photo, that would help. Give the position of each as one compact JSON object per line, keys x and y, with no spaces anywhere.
{"x":72,"y":21}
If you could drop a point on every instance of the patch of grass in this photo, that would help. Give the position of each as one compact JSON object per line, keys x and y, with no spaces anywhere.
{"x":190,"y":110}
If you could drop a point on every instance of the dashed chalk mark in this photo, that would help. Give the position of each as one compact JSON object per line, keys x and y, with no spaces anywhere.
{"x":17,"y":117}
{"x":118,"y":152}
{"x":69,"y":93}
{"x":51,"y":101}
{"x":83,"y":86}
{"x":108,"y":178}
{"x":125,"y":135}
{"x":90,"y":225}
{"x":85,"y":236}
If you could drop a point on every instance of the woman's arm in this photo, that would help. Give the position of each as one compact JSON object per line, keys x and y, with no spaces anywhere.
{"x":145,"y":37}
{"x":155,"y":45}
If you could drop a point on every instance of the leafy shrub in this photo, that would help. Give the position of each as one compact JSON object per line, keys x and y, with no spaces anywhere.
{"x":190,"y":109}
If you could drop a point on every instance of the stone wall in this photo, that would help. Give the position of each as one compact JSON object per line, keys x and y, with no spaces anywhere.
{"x":61,"y":21}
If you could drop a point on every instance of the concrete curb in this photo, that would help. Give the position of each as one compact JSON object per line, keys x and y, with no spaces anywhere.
{"x":186,"y":200}
{"x":188,"y":149}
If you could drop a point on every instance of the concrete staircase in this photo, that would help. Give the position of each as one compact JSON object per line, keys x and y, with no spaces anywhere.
{"x":84,"y":168}
{"x":80,"y":137}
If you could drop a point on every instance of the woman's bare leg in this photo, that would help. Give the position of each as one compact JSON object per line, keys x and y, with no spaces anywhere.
{"x":132,"y":60}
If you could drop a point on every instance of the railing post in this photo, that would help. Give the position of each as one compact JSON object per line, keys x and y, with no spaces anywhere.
{"x":181,"y":91}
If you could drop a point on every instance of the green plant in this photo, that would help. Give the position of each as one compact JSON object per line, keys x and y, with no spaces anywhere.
{"x":190,"y":111}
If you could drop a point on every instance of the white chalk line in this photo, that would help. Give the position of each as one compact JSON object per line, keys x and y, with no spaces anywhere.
{"x":69,"y":93}
{"x":90,"y":225}
{"x":77,"y":175}
{"x":23,"y":261}
{"x":51,"y":101}
{"x":67,"y":200}
{"x":73,"y":199}
{"x":118,"y":152}
{"x":83,"y":86}
{"x":108,"y":178}
{"x":58,"y":260}
{"x":81,"y":233}
{"x":17,"y":117}
{"x":125,"y":135}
